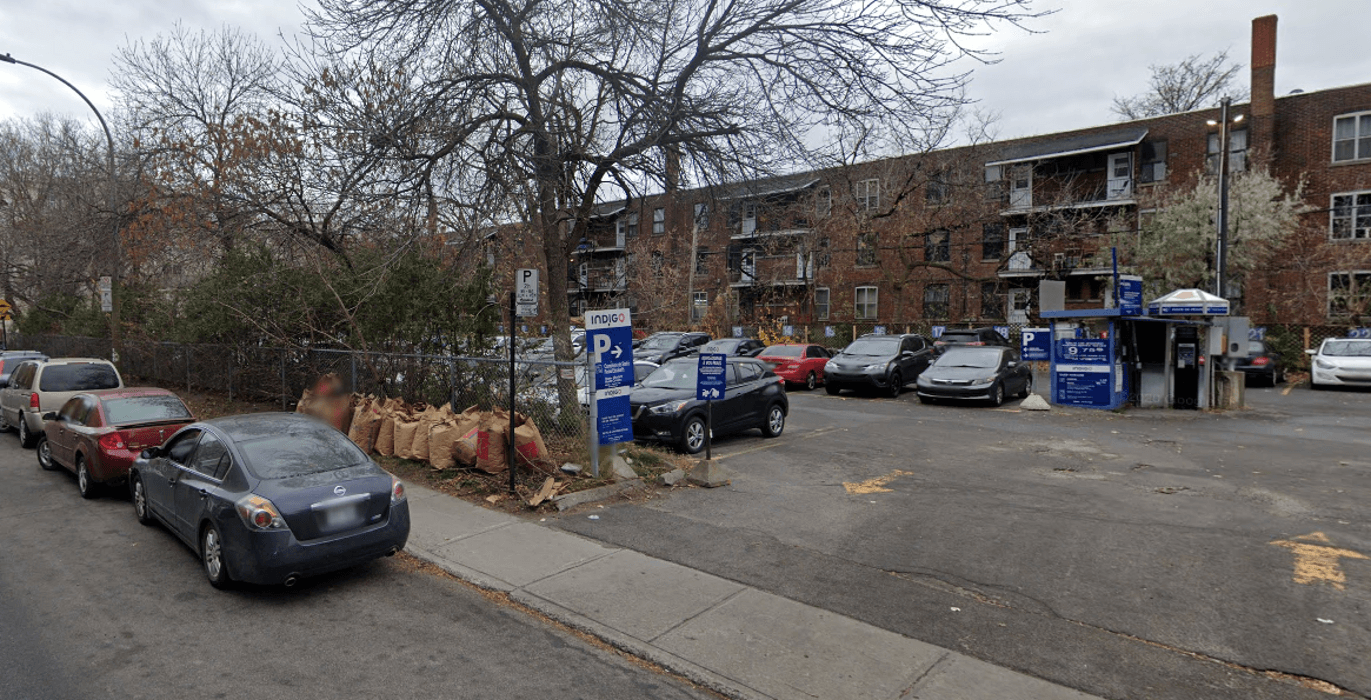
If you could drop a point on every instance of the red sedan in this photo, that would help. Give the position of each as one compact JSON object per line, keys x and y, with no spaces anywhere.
{"x":797,"y":364}
{"x":98,"y":434}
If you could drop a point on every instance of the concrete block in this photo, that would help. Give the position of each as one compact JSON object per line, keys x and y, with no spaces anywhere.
{"x":709,"y":473}
{"x":1035,"y":403}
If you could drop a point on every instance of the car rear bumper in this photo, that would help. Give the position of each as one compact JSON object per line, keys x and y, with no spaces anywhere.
{"x":270,"y":558}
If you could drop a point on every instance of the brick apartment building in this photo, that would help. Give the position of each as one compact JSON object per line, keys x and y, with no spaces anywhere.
{"x":963,"y":235}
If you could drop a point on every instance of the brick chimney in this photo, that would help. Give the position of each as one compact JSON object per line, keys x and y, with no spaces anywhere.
{"x":1263,"y":81}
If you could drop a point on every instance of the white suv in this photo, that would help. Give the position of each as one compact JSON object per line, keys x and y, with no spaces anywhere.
{"x":38,"y":386}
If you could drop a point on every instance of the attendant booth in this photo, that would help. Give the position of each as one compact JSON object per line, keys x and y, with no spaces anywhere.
{"x":1154,"y":357}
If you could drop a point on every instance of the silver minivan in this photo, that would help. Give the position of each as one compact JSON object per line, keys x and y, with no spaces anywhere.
{"x":37,"y":387}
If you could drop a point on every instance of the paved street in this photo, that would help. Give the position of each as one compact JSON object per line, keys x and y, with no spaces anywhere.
{"x":94,"y":605}
{"x":1146,"y":554}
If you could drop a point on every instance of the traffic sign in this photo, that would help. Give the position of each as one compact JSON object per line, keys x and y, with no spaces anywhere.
{"x":609,"y":339}
{"x":711,"y":376}
{"x":526,"y":292}
{"x":5,"y":306}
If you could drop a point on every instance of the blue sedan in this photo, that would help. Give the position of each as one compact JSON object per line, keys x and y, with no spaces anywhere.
{"x":270,"y":498}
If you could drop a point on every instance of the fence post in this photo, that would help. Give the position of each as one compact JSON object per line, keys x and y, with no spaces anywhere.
{"x":352,"y":358}
{"x":232,"y":365}
{"x":452,"y":381}
{"x":186,"y":350}
{"x":285,"y":391}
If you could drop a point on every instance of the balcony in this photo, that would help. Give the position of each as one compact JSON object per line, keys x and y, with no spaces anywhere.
{"x":605,"y":277}
{"x":758,"y":270}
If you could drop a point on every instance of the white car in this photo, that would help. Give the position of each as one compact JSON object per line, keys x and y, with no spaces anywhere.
{"x":1341,"y":362}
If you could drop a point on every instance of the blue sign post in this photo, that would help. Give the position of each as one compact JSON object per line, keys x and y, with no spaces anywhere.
{"x":609,"y":342}
{"x":711,"y":384}
{"x":1086,"y":372}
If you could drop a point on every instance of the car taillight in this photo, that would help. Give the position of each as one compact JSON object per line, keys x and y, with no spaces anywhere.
{"x":976,"y":342}
{"x":33,"y":401}
{"x":259,"y":514}
{"x":1261,"y":361}
{"x":397,"y":491}
{"x":112,"y":441}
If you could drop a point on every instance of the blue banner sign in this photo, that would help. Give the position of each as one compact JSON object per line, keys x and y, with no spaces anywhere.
{"x":937,"y":331}
{"x":787,"y":330}
{"x":1257,"y":333}
{"x":1035,"y":344}
{"x":711,"y":376}
{"x":878,"y":330}
{"x":737,"y":331}
{"x":1130,"y":295}
{"x":829,"y":332}
{"x":609,"y":336}
{"x":1083,"y":373}
{"x":1359,"y":333}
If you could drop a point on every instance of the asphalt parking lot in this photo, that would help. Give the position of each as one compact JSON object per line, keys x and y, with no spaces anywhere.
{"x":1144,"y":553}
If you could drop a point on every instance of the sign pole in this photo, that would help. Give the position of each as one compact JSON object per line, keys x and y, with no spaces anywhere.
{"x":513,"y":466}
{"x":709,"y":429}
{"x":594,"y":431}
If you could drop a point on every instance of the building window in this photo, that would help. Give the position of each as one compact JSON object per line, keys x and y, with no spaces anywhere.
{"x":659,"y":221}
{"x":825,"y":257}
{"x":702,"y":261}
{"x":823,"y":201}
{"x":936,"y":246}
{"x":1349,"y":294}
{"x":658,"y":264}
{"x":1237,"y":152}
{"x":701,"y":216}
{"x":868,"y":195}
{"x":937,"y":190}
{"x":699,"y":305}
{"x":867,"y":250}
{"x":994,"y":183}
{"x":866,"y":303}
{"x":1352,"y":137}
{"x":935,"y":301}
{"x":992,"y":306}
{"x":1153,"y":161}
{"x":992,"y":241}
{"x":1350,"y":216}
{"x":632,"y":224}
{"x":735,"y":257}
{"x":821,"y":303}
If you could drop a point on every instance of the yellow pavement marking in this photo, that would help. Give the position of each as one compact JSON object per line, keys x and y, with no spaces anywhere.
{"x":769,"y":444}
{"x":1318,"y":563}
{"x":876,"y":485}
{"x":1288,"y":387}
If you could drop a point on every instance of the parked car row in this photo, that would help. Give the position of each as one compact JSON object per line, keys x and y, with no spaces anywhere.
{"x":265,"y":498}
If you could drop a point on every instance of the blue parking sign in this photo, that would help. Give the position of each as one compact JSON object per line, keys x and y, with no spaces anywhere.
{"x":711,"y":376}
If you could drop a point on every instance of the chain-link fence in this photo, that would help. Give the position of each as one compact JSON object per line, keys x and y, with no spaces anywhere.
{"x":280,"y":375}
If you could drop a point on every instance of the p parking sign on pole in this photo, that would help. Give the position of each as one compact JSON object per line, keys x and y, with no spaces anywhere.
{"x":609,"y":342}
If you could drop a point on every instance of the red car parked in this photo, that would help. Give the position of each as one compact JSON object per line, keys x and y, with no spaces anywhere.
{"x":797,"y":364}
{"x":98,"y":434}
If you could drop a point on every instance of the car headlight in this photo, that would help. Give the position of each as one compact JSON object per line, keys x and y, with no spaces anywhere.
{"x":669,"y":407}
{"x":830,"y":366}
{"x":874,"y":368}
{"x":1325,"y":364}
{"x":986,"y":380}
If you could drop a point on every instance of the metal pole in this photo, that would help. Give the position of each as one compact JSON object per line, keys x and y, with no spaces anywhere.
{"x":709,"y":428}
{"x":513,"y":319}
{"x":115,"y":345}
{"x":594,"y":427}
{"x":1221,"y":256}
{"x":285,"y":391}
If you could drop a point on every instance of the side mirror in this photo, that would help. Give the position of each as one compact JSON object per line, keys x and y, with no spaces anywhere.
{"x":1013,"y":364}
{"x":51,"y":415}
{"x":1311,"y":352}
{"x":149,"y":453}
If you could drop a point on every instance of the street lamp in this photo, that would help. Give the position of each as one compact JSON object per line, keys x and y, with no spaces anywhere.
{"x":110,"y":199}
{"x":1221,"y":255}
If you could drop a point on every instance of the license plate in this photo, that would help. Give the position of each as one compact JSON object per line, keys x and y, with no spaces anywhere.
{"x":341,"y":517}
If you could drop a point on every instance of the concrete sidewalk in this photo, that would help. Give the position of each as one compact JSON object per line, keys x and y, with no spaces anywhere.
{"x":737,"y":640}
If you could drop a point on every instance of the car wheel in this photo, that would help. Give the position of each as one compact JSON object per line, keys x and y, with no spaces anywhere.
{"x":45,"y":454}
{"x":26,"y":437}
{"x":896,"y":384}
{"x":84,"y":483}
{"x":832,"y":390}
{"x":1027,"y":387}
{"x":811,"y":381}
{"x":693,"y":436}
{"x":139,"y":496}
{"x":212,"y":556}
{"x":997,"y":395}
{"x":775,"y":421}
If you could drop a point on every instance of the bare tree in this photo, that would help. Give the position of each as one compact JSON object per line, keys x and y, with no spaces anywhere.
{"x":1193,"y":83}
{"x":561,"y":100}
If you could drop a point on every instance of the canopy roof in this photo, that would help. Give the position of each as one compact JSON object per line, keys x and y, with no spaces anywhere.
{"x":1188,"y":302}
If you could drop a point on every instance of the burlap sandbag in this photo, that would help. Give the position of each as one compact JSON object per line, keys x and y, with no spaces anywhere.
{"x":366,"y":424}
{"x":404,"y":436}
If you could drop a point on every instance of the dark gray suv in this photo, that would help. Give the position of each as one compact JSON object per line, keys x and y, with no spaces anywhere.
{"x":882,"y":362}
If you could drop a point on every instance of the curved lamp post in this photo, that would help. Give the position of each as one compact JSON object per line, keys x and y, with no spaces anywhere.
{"x":109,"y":194}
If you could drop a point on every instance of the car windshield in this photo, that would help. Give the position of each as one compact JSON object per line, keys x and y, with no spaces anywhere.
{"x":661,"y":342}
{"x":873,"y":346}
{"x":78,"y":377}
{"x":1347,"y":348}
{"x":969,"y":357}
{"x":673,"y":375}
{"x":783,"y":351}
{"x":145,"y":409}
{"x":299,"y":450}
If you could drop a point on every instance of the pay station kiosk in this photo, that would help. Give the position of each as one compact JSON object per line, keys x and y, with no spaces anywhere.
{"x":1154,"y":356}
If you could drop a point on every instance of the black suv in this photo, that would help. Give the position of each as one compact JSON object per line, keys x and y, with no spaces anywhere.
{"x":884,"y":362}
{"x":669,"y":345}
{"x":665,"y":409}
{"x":970,"y":336}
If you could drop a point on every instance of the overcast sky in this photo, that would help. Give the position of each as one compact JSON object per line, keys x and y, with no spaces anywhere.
{"x":1063,"y":77}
